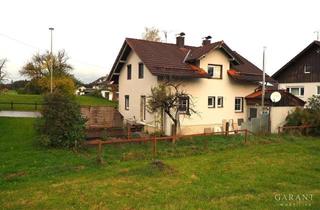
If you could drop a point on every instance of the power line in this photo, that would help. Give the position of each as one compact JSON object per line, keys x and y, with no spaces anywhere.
{"x":38,"y":48}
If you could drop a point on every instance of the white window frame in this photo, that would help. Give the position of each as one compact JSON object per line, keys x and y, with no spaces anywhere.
{"x":213,"y":105}
{"x":305,"y":67}
{"x":213,"y":66}
{"x":185,"y":103}
{"x":241,"y":104}
{"x":126,"y":102}
{"x":296,"y":87}
{"x":220,"y":105}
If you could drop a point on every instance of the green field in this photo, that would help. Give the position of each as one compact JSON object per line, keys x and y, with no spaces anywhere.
{"x":207,"y":173}
{"x":32,"y":99}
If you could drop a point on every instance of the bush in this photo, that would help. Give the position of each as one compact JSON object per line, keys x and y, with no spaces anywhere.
{"x":308,"y":116}
{"x":62,"y":124}
{"x":96,"y":93}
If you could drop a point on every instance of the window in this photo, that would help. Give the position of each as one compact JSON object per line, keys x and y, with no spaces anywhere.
{"x":253,"y":113}
{"x":307,"y":69}
{"x":126,"y":102}
{"x":240,"y":121}
{"x":297,"y":91}
{"x":141,"y":70}
{"x":238,"y":104}
{"x":184,"y":104}
{"x":318,"y":90}
{"x":129,"y":71}
{"x":143,"y":108}
{"x":211,"y":101}
{"x":220,"y":102}
{"x":215,"y":71}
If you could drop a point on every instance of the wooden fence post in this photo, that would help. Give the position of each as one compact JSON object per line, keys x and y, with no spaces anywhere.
{"x":99,"y":157}
{"x":154,"y":147}
{"x":279,"y":130}
{"x":11,"y":105}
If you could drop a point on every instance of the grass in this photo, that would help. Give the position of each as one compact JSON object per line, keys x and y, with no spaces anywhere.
{"x":216,"y":173}
{"x":12,"y":96}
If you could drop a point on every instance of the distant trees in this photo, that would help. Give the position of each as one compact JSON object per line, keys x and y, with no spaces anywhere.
{"x":151,"y":34}
{"x":39,"y":70}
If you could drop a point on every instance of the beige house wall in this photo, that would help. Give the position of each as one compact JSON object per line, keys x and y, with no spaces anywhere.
{"x":310,"y":88}
{"x":135,"y":88}
{"x":278,"y":116}
{"x":200,"y":89}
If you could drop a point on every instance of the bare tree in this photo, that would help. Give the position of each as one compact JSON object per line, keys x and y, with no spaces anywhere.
{"x":151,"y":34}
{"x":168,"y":97}
{"x":3,"y":73}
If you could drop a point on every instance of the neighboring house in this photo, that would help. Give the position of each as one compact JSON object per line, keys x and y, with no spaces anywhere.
{"x":277,"y":111}
{"x":81,"y":90}
{"x":301,"y":75}
{"x":217,"y":77}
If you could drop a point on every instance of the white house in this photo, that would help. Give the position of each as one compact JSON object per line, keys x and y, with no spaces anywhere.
{"x":301,"y":75}
{"x":217,"y":77}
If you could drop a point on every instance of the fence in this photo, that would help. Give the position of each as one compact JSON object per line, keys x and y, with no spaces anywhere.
{"x":154,"y":139}
{"x":303,"y":129}
{"x":32,"y":105}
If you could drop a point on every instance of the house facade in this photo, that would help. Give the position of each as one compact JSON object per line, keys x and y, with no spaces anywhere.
{"x":301,"y":75}
{"x":216,"y":77}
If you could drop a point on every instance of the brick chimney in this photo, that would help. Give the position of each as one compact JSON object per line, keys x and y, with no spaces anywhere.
{"x":206,"y":40}
{"x":180,"y":40}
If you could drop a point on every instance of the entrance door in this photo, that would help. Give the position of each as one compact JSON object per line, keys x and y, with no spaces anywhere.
{"x":252,"y":113}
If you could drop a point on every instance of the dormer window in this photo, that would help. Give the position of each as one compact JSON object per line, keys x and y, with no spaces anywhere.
{"x":307,"y":69}
{"x":215,"y":71}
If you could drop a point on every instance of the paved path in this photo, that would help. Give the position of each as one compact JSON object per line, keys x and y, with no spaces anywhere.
{"x":19,"y":114}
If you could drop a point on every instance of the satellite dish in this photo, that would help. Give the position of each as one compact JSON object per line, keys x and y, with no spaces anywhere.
{"x":275,"y":97}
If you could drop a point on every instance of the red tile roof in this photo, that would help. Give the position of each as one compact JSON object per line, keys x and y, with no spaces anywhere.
{"x":164,"y":59}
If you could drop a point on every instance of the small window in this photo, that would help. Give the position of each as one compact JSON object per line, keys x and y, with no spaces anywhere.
{"x":184,"y":104}
{"x":141,"y":67}
{"x":238,"y":104}
{"x":253,"y":112}
{"x":220,"y":102}
{"x":211,"y":101}
{"x":297,"y":91}
{"x":215,"y":71}
{"x":240,"y":121}
{"x":126,"y":102}
{"x":318,"y":90}
{"x":307,"y":69}
{"x":129,"y":72}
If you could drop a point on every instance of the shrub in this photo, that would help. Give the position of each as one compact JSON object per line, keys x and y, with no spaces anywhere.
{"x":62,"y":124}
{"x":308,"y":116}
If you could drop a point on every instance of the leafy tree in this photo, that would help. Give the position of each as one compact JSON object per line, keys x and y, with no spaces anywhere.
{"x":308,"y":116}
{"x":166,"y":97}
{"x":39,"y":71}
{"x":62,"y":124}
{"x":151,"y":34}
{"x":40,"y":65}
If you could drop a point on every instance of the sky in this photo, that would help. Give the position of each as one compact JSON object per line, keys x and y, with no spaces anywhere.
{"x":92,"y":31}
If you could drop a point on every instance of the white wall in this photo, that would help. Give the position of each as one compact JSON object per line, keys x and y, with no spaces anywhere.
{"x":278,"y":116}
{"x":200,"y":89}
{"x":310,"y":88}
{"x":135,"y":88}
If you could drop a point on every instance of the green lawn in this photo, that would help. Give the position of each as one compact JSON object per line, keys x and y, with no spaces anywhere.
{"x":207,"y":173}
{"x":28,"y":98}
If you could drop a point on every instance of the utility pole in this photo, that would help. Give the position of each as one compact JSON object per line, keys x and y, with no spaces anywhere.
{"x":263,"y":78}
{"x":51,"y":63}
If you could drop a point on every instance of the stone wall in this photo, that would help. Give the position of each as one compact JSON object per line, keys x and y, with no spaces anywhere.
{"x":102,"y":117}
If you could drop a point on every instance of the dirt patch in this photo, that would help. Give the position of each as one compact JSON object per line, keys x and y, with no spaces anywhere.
{"x":162,"y":167}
